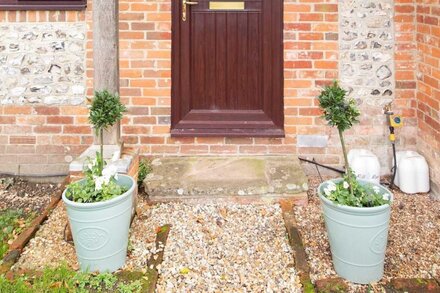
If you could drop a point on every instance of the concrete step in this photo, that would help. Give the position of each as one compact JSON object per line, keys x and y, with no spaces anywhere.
{"x":246,"y":179}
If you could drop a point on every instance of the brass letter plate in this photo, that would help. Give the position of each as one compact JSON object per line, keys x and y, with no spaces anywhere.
{"x":213,"y":5}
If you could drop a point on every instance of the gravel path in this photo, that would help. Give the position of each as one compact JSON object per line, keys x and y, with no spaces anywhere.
{"x":48,"y":247}
{"x":223,"y":248}
{"x":211,"y":248}
{"x":413,"y":243}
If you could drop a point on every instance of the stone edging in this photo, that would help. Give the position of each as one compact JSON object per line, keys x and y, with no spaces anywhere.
{"x":299,"y":254}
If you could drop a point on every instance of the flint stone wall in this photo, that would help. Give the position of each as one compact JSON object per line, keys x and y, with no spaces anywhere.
{"x":42,"y":63}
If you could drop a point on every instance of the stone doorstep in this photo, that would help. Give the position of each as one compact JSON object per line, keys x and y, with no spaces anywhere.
{"x":298,"y":199}
{"x":248,"y":178}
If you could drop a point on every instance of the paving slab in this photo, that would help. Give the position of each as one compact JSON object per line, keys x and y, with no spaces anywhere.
{"x":212,"y":177}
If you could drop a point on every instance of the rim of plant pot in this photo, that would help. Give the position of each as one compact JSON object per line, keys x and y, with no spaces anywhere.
{"x":356,"y":210}
{"x":105,"y":203}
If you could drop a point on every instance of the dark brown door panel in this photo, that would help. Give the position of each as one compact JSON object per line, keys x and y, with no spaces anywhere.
{"x":227,"y":69}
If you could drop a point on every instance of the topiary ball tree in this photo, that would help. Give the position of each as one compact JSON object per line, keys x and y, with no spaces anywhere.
{"x":340,"y":112}
{"x":105,"y":111}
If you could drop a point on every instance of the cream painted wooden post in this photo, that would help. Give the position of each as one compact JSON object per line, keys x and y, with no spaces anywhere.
{"x":106,"y":54}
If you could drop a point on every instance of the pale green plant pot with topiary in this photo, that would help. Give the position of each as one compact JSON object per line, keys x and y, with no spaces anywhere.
{"x":358,"y":236}
{"x":100,"y":230}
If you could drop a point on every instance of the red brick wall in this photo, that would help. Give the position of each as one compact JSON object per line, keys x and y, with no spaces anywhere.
{"x":405,"y":69}
{"x":310,"y":61}
{"x":428,"y":81}
{"x":43,"y":138}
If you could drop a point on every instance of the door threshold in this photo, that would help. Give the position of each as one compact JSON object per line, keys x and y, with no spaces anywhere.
{"x":222,"y":132}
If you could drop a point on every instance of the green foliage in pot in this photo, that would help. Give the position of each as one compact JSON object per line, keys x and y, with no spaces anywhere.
{"x":100,"y":181}
{"x":342,"y":112}
{"x":96,"y":187}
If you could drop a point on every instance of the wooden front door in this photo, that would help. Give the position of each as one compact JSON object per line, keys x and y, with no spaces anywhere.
{"x":227,"y":68}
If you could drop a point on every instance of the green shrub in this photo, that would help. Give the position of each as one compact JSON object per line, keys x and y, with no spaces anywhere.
{"x":144,"y":170}
{"x":342,"y":112}
{"x":100,"y":184}
{"x":105,"y":111}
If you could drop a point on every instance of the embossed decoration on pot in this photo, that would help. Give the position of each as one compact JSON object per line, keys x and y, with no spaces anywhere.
{"x":358,"y":237}
{"x":93,"y":238}
{"x":100,"y":230}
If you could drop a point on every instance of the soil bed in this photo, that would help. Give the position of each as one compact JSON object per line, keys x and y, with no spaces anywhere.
{"x":20,"y":202}
{"x":413,"y":242}
{"x":19,"y":194}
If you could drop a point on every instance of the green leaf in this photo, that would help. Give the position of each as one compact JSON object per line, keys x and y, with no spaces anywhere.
{"x":106,"y":109}
{"x":339,"y":111}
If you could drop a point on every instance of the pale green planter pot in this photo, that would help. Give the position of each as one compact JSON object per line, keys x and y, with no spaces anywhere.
{"x":358,"y":237}
{"x":100,"y":230}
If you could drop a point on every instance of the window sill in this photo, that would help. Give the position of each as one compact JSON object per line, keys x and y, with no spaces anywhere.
{"x":65,"y":7}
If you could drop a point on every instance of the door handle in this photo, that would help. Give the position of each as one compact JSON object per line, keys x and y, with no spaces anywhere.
{"x":184,"y":7}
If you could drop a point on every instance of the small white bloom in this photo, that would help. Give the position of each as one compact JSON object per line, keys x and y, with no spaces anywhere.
{"x":327,"y":191}
{"x":386,"y":196}
{"x":107,"y":179}
{"x":376,"y":189}
{"x":89,"y":166}
{"x":99,"y":181}
{"x":331,"y":186}
{"x":110,"y":170}
{"x":116,"y":156}
{"x":345,"y":184}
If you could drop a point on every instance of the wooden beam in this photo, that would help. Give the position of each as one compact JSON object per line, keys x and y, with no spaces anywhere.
{"x":106,"y":54}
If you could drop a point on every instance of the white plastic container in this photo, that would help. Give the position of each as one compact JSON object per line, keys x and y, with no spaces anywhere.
{"x":365,"y":165}
{"x":412,"y":172}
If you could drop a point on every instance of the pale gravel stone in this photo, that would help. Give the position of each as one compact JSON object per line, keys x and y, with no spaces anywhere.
{"x":48,"y":248}
{"x":223,"y":248}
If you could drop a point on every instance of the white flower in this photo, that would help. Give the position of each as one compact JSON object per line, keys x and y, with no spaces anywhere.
{"x":331,"y":186}
{"x":99,"y":181}
{"x":89,"y":166}
{"x":376,"y":189}
{"x":110,"y":170}
{"x":116,"y":156}
{"x":386,"y":196}
{"x":327,"y":191}
{"x":345,"y":184}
